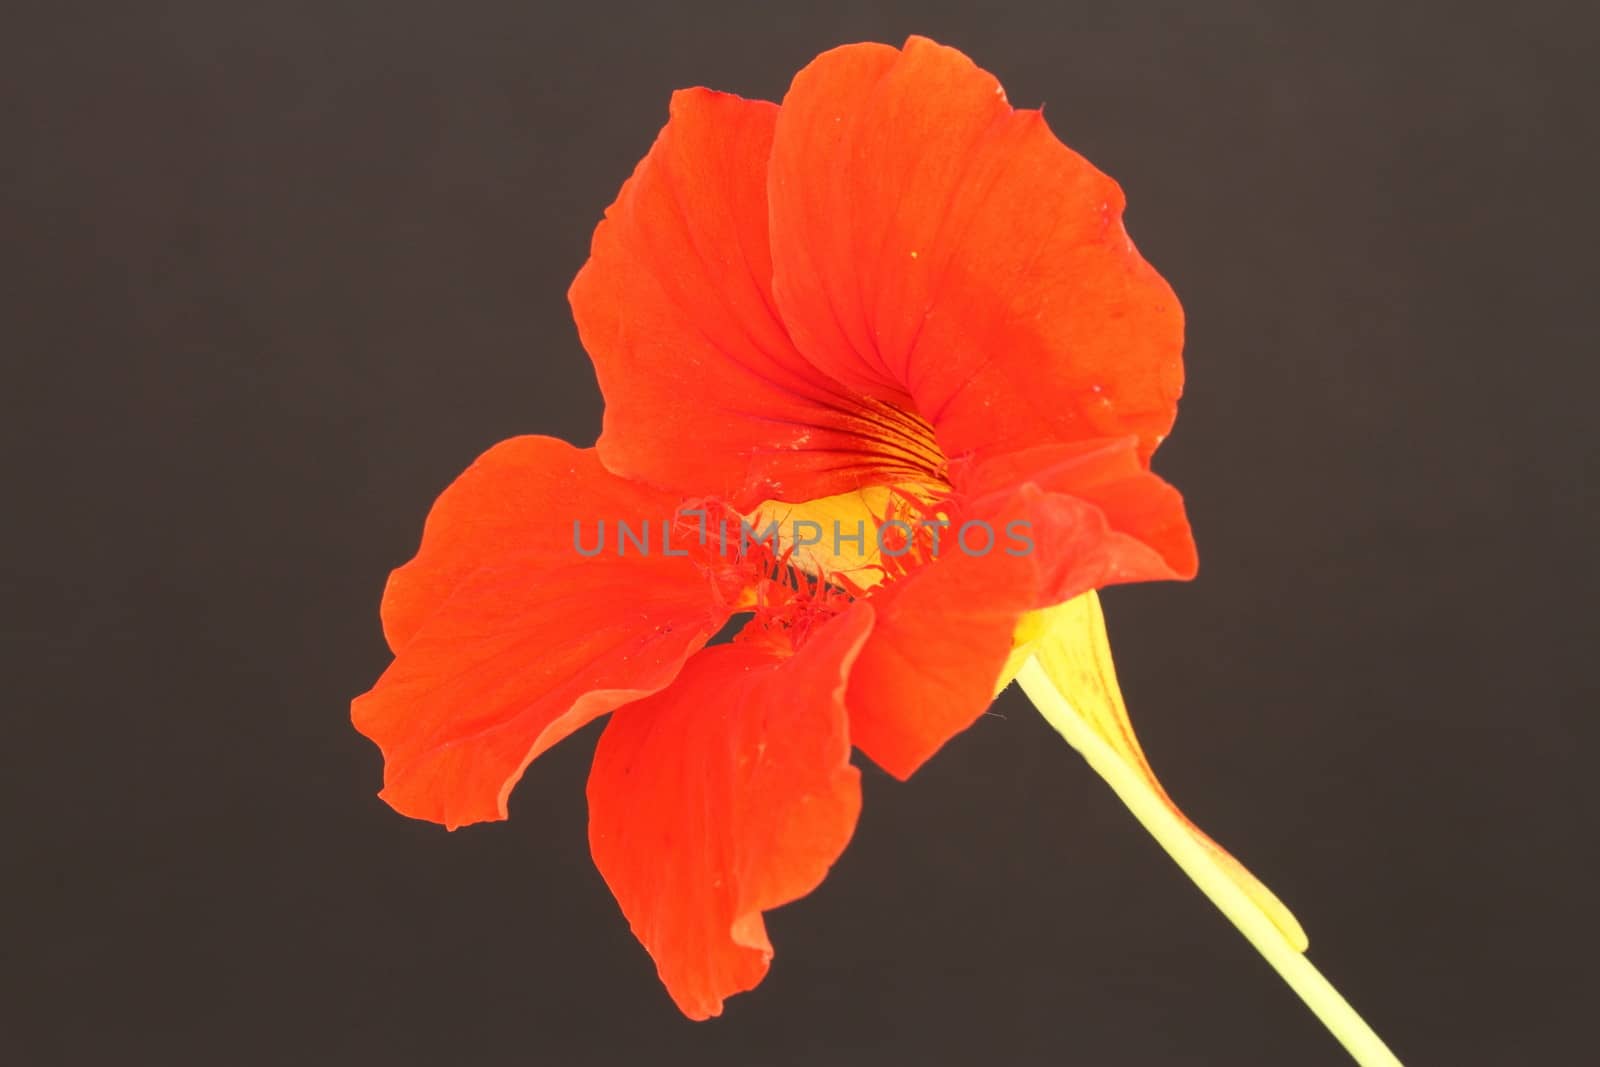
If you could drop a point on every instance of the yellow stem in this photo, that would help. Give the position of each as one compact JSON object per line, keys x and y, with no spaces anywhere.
{"x":1365,"y":1046}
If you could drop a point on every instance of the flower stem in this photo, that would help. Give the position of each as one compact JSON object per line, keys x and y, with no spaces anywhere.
{"x":1364,"y":1045}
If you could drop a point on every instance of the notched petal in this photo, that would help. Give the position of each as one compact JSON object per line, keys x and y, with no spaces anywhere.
{"x":722,"y":797}
{"x":507,"y":639}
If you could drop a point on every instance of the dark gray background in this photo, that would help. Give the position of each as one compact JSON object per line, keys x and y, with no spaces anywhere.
{"x":276,"y":272}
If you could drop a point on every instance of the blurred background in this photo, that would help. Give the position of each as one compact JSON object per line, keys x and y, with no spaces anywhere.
{"x":276,"y":273}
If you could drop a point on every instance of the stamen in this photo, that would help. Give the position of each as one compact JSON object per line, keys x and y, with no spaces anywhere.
{"x":787,"y":603}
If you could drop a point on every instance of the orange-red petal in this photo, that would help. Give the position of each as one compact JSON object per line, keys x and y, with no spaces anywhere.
{"x":507,"y":639}
{"x":724,"y":796}
{"x":704,"y":391}
{"x":1091,"y":517}
{"x":936,"y":248}
{"x":1135,"y":529}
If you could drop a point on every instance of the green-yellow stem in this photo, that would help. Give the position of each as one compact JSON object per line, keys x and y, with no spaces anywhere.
{"x":1364,"y":1045}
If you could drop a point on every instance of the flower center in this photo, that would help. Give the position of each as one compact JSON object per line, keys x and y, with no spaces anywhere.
{"x":793,"y":565}
{"x":870,"y":532}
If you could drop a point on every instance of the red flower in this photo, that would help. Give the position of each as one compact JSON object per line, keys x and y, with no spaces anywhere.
{"x":893,"y":297}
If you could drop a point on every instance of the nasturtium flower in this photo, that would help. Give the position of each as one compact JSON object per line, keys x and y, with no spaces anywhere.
{"x":892,"y":299}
